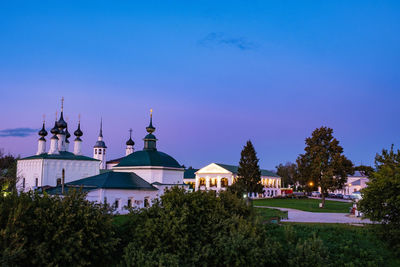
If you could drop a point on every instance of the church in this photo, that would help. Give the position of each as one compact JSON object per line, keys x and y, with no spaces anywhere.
{"x":134,"y":181}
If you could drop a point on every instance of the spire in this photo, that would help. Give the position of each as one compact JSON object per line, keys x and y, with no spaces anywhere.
{"x":55,"y":130}
{"x":42,"y":133}
{"x":78,"y":133}
{"x":130,"y":142}
{"x":150,"y":129}
{"x":61,"y":124}
{"x":150,"y":140}
{"x":101,"y":127}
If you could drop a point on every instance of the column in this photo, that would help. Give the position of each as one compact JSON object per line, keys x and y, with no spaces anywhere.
{"x":196,"y":186}
{"x":218,"y":183}
{"x":207,"y":182}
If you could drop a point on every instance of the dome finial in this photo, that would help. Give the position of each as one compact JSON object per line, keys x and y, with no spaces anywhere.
{"x":101,"y":127}
{"x":61,"y":122}
{"x":151,"y":128}
{"x":62,"y":104}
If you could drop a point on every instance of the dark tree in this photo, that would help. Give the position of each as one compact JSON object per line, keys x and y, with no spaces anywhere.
{"x":8,"y":170}
{"x":323,"y":162}
{"x":287,"y":172}
{"x":249,"y":173}
{"x":381,"y":199}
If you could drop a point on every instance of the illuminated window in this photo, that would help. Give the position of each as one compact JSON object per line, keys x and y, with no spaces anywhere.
{"x":224,"y":182}
{"x":202,"y":181}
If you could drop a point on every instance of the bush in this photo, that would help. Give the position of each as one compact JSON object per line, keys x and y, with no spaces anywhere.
{"x":44,"y":230}
{"x":200,"y":228}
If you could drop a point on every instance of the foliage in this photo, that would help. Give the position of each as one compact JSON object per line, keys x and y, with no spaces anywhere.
{"x":308,"y":204}
{"x":381,"y":199}
{"x":266,"y":214}
{"x":44,"y":230}
{"x":8,"y":170}
{"x":200,"y":228}
{"x":287,"y":172}
{"x":249,"y":174}
{"x":331,"y":245}
{"x":323,"y":162}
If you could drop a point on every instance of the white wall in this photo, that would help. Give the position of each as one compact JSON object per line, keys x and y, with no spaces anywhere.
{"x":48,"y":170}
{"x":122,"y":195}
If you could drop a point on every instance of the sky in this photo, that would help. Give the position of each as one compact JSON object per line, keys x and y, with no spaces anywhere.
{"x":215,"y":73}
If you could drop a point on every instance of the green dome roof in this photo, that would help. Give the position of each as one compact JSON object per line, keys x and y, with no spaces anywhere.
{"x":149,"y":158}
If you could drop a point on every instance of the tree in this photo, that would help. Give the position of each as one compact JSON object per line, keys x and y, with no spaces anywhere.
{"x":8,"y":170}
{"x":381,"y":199}
{"x":43,"y":230}
{"x":249,"y":173}
{"x":287,"y":172}
{"x":197,"y":229}
{"x":323,"y":163}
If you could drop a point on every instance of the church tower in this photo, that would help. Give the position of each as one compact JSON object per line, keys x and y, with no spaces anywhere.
{"x":129,"y":144}
{"x":61,"y":125}
{"x":78,"y":141}
{"x":42,"y":140}
{"x":99,"y":149}
{"x":150,"y":140}
{"x":54,"y":139}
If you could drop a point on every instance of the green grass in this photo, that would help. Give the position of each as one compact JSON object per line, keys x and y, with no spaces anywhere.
{"x":307,"y":204}
{"x":267,"y":214}
{"x":119,"y":220}
{"x":346,"y":244}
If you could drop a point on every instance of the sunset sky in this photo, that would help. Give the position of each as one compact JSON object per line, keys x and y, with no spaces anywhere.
{"x":216,"y":73}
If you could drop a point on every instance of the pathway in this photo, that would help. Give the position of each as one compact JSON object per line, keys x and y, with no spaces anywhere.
{"x":318,"y":217}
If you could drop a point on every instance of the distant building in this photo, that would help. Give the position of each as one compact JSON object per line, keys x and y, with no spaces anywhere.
{"x":354,"y":183}
{"x":216,"y":176}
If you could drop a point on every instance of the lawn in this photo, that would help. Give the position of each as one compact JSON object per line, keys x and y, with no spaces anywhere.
{"x":268,"y":214}
{"x":307,"y":204}
{"x":345,"y":245}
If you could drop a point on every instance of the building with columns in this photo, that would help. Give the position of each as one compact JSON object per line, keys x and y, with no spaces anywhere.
{"x":99,"y":149}
{"x":216,"y":176}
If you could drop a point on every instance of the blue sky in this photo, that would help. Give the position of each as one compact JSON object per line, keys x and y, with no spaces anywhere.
{"x":216,"y":73}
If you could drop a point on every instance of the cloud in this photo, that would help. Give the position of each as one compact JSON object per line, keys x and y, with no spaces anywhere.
{"x":219,"y":38}
{"x":17,"y":132}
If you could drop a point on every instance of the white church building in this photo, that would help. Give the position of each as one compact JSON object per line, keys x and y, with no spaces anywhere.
{"x":132,"y":181}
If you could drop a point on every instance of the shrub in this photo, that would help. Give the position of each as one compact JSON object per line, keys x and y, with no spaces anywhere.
{"x":43,"y":230}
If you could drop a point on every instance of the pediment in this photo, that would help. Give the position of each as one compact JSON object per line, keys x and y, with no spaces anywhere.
{"x":212,"y":168}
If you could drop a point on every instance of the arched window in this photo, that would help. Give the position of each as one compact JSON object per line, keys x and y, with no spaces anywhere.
{"x":36,"y":182}
{"x":202,"y":181}
{"x":23,"y":183}
{"x":116,"y":204}
{"x":224,"y":182}
{"x":213,"y":182}
{"x":58,"y":181}
{"x":99,"y":151}
{"x":95,"y":151}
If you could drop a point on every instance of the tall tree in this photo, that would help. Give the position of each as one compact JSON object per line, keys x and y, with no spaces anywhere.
{"x":365,"y":170}
{"x":381,"y":199}
{"x":323,"y":162}
{"x":249,"y":173}
{"x":287,"y":172}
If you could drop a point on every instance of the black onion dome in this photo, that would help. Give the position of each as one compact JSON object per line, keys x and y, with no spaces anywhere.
{"x":130,"y":142}
{"x":55,"y":130}
{"x":43,"y":131}
{"x":61,"y":124}
{"x":78,"y":132}
{"x":67,"y":134}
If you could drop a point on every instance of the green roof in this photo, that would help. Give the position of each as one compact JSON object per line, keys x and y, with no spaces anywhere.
{"x":108,"y":180}
{"x":63,"y":155}
{"x":190,"y":173}
{"x":149,"y":158}
{"x":234,"y":169}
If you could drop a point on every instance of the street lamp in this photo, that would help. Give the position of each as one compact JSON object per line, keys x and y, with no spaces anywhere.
{"x":310,"y":184}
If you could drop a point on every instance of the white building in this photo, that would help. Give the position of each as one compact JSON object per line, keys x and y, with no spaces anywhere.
{"x":134,"y":180}
{"x":354,"y":183}
{"x":57,"y":165}
{"x":218,"y":177}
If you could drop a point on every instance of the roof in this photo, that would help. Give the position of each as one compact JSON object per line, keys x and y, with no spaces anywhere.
{"x":149,"y":158}
{"x":65,"y":155}
{"x":358,"y":174}
{"x":100,"y":144}
{"x":108,"y":180}
{"x":234,"y":169}
{"x":158,"y":183}
{"x":114,"y":160}
{"x":190,"y":173}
